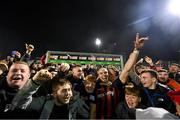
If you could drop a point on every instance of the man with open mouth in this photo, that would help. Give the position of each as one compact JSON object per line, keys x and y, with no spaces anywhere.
{"x":62,"y":103}
{"x":17,"y":76}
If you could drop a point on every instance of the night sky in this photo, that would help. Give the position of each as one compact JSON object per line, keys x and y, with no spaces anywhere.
{"x":73,"y":25}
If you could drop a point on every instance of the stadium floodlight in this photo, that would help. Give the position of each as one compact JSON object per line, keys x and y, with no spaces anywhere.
{"x":174,"y":7}
{"x":98,"y":42}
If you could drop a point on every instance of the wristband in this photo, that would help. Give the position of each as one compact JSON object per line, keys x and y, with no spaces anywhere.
{"x":136,"y":51}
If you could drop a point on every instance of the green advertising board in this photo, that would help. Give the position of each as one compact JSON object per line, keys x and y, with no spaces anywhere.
{"x":84,"y":58}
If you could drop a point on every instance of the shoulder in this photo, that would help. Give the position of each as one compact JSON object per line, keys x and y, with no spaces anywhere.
{"x":165,"y":87}
{"x":2,"y":82}
{"x":121,"y":105}
{"x":162,"y":88}
{"x":117,"y":82}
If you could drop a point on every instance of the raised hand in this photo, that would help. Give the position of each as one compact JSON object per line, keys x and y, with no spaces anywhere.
{"x":64,"y":67}
{"x":158,"y":62}
{"x":29,"y":48}
{"x":18,"y":54}
{"x":26,"y":46}
{"x":139,"y":42}
{"x":42,"y":76}
{"x":148,"y":60}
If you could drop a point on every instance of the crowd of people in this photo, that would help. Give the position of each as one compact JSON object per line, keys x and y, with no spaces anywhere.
{"x":38,"y":90}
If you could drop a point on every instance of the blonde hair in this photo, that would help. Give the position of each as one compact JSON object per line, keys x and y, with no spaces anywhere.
{"x":132,"y":91}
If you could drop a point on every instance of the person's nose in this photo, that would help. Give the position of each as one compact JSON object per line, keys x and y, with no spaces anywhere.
{"x":18,"y":72}
{"x":68,"y":93}
{"x":88,"y":85}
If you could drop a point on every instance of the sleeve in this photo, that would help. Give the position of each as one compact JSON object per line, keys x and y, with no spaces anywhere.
{"x":93,"y":96}
{"x":119,"y":85}
{"x":118,"y":111}
{"x":24,"y":97}
{"x":26,"y":57}
{"x":83,"y":109}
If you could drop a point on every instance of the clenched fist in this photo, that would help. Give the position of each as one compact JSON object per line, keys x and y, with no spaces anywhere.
{"x":64,"y":67}
{"x":42,"y":76}
{"x":29,"y":48}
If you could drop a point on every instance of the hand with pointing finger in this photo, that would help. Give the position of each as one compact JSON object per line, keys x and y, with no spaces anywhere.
{"x":139,"y":42}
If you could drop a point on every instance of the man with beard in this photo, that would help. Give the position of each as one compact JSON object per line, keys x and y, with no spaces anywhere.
{"x":173,"y":72}
{"x":163,"y":78}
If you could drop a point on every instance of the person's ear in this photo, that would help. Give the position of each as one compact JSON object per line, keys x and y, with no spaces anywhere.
{"x":29,"y":75}
{"x":154,"y":79}
{"x":54,"y":94}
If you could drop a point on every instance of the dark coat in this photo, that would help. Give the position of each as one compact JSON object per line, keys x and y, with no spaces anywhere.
{"x":44,"y":104}
{"x":122,"y":111}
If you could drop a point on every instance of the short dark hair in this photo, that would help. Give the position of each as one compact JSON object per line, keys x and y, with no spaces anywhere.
{"x":59,"y":82}
{"x":162,"y":70}
{"x":175,"y":64}
{"x":150,"y":71}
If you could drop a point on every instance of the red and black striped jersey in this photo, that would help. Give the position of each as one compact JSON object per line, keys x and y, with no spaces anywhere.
{"x":106,"y":98}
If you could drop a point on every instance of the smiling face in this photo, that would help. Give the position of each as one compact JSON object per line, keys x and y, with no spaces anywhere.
{"x":132,"y":96}
{"x":147,"y":80}
{"x":89,"y":86}
{"x":103,"y":74}
{"x":64,"y":94}
{"x":77,"y":72}
{"x":163,"y":76}
{"x":132,"y":100}
{"x":18,"y":75}
{"x":173,"y":68}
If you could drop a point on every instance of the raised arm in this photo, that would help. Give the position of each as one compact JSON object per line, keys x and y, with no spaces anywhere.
{"x":138,"y":44}
{"x":27,"y":55}
{"x":24,"y":97}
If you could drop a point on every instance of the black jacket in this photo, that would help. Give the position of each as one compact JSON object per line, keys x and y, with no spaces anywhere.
{"x":122,"y":111}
